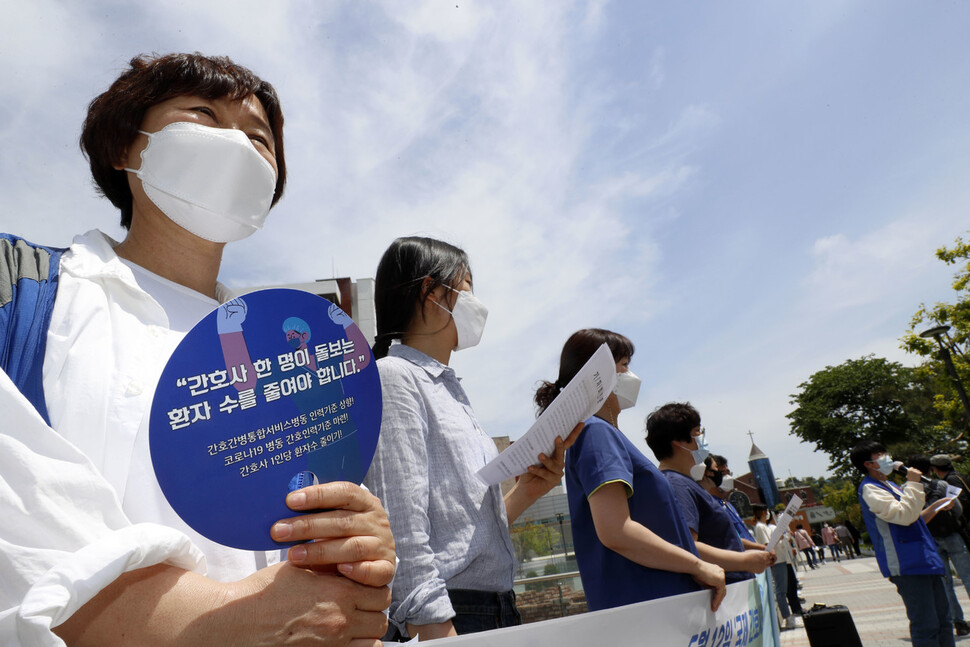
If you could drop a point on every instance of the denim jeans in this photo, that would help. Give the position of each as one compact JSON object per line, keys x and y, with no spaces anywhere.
{"x":835,"y":551}
{"x":810,"y":557}
{"x":952,"y":547}
{"x":475,"y":611}
{"x":779,"y":572}
{"x":927,"y":609}
{"x":792,"y":592}
{"x":481,"y":610}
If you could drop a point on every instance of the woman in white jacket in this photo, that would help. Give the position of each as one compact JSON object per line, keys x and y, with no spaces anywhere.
{"x":779,"y":570}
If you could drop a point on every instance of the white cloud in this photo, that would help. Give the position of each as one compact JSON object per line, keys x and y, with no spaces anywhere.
{"x":450,"y":23}
{"x":594,"y":18}
{"x":557,"y":152}
{"x":855,"y":273}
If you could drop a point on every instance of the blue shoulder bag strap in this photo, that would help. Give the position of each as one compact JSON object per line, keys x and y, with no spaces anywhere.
{"x":28,"y":286}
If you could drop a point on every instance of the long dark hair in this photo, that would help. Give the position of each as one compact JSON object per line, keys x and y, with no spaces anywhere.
{"x":578,"y":349}
{"x":399,"y":286}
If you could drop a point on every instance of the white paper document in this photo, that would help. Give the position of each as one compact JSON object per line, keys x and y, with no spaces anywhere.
{"x":952,"y":491}
{"x":581,"y":398}
{"x":783,"y":522}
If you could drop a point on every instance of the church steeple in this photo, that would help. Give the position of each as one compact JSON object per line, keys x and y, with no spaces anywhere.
{"x":756,"y":453}
{"x":764,"y":476}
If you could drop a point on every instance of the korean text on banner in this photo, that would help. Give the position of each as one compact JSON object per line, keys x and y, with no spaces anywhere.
{"x":678,"y":621}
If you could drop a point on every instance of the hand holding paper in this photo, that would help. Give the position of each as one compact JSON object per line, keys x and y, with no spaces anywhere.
{"x":581,"y":398}
{"x":539,"y":479}
{"x":952,"y":491}
{"x":783,"y":521}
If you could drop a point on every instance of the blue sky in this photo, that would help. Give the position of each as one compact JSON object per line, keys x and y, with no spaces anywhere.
{"x":749,"y":191}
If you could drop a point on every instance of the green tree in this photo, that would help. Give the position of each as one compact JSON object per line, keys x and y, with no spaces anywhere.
{"x":841,"y":496}
{"x":945,"y":398}
{"x":532,"y":539}
{"x":869,"y":397}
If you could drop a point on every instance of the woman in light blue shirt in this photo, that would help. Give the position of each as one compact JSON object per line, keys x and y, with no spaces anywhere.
{"x":451,"y":530}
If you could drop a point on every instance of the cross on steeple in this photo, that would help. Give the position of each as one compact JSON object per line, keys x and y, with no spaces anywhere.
{"x":752,"y":436}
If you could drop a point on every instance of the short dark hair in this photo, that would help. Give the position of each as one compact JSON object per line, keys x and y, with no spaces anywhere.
{"x":399,"y":284}
{"x":720,"y":460}
{"x":577,"y":350}
{"x":862,"y":453}
{"x":673,"y":421}
{"x":116,"y":115}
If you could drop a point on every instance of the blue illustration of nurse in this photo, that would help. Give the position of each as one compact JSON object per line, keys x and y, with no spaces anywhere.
{"x":334,"y":460}
{"x":339,"y":460}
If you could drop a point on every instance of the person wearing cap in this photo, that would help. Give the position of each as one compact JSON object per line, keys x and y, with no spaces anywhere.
{"x":943,"y":469}
{"x":904,"y":547}
{"x":945,"y":528}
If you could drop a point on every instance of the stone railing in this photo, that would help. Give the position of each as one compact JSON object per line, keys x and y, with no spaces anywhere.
{"x":550,"y":596}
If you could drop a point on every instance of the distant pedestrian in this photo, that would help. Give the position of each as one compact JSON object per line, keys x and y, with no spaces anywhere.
{"x":845,"y":538}
{"x":832,"y":541}
{"x":806,"y":545}
{"x":856,"y":536}
{"x":819,"y":546}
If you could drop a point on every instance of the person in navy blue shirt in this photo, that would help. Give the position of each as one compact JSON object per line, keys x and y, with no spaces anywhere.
{"x":674,"y":434}
{"x":718,"y":482}
{"x":631,"y":542}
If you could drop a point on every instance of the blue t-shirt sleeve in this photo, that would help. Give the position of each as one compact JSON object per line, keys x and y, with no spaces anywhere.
{"x":686,"y":501}
{"x":600,"y":457}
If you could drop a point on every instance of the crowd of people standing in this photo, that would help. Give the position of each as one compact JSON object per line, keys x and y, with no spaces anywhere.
{"x":189,"y":150}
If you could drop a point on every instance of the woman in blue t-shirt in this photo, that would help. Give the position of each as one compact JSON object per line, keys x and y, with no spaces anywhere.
{"x":631,"y":543}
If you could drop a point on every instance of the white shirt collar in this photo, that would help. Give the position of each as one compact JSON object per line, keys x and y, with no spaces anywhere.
{"x":93,"y":256}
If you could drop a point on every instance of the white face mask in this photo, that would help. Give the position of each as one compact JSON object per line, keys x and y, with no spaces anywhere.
{"x":727,"y":484}
{"x":885,"y":463}
{"x":626,"y":390}
{"x":469,"y":314}
{"x":702,"y":451}
{"x":697,"y":471}
{"x":209,"y":181}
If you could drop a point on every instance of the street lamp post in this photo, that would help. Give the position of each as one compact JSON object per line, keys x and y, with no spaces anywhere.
{"x":562,"y":535}
{"x":938,"y":333}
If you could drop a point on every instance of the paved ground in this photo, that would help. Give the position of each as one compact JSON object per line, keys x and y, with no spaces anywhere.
{"x":875,"y":606}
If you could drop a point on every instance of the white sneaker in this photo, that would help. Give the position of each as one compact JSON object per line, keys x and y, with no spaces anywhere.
{"x":792,"y":622}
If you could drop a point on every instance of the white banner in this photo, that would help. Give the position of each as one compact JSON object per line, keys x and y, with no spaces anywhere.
{"x":743,"y":619}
